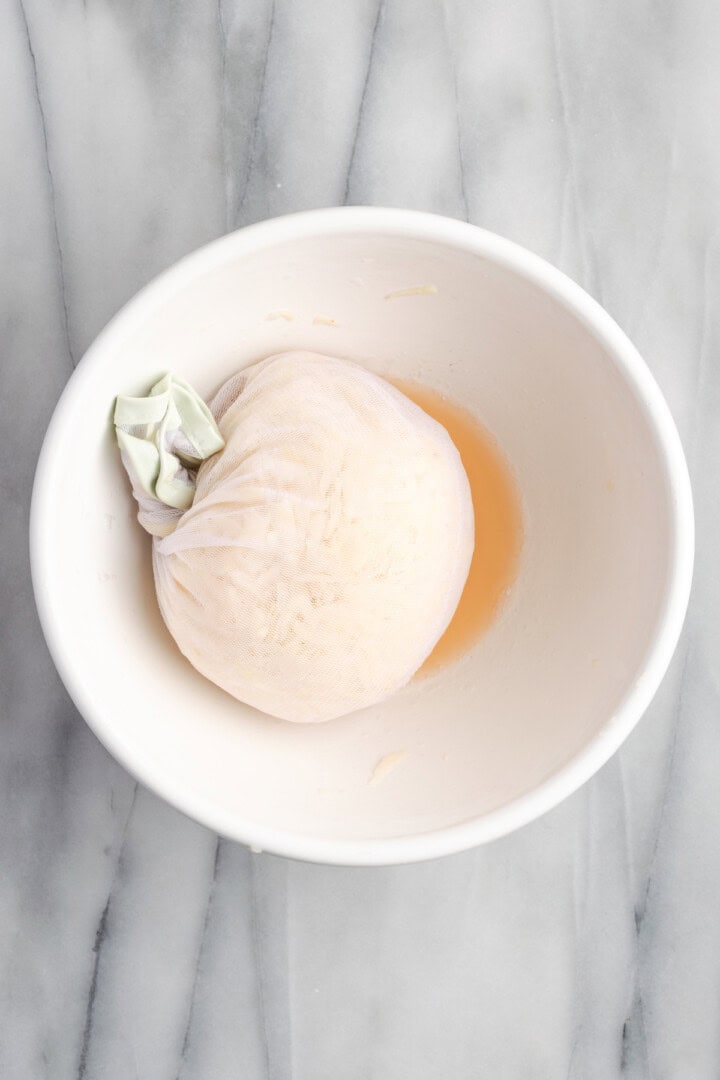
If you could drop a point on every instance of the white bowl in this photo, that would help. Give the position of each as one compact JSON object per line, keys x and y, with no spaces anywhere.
{"x":565,"y":672}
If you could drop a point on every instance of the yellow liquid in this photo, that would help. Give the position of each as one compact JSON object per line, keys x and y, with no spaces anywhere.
{"x":498,"y":524}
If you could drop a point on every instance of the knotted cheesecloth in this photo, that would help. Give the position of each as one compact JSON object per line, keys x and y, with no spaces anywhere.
{"x":313,"y":530}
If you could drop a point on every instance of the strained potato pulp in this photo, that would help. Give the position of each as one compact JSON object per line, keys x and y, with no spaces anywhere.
{"x":327,"y":544}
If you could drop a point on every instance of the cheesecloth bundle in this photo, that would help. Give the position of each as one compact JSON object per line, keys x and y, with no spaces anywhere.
{"x":328,"y":540}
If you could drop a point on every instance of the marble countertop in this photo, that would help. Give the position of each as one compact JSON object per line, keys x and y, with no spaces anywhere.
{"x":135,"y":945}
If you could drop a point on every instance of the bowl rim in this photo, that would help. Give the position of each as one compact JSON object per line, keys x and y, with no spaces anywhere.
{"x":409,"y":224}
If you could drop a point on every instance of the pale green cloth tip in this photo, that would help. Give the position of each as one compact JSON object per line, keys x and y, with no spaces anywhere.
{"x":163,"y":439}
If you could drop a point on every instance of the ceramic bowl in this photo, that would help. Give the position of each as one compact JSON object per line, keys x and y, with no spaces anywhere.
{"x":571,"y":662}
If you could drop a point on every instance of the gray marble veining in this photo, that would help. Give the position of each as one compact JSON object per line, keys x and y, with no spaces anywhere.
{"x":133,"y":944}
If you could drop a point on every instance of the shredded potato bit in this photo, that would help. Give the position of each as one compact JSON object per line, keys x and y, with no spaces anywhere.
{"x":324,"y":320}
{"x":386,"y":765}
{"x":417,"y":290}
{"x":272,"y":316}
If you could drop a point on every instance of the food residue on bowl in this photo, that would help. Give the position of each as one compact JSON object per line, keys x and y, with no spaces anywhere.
{"x":385,"y":766}
{"x":415,"y":290}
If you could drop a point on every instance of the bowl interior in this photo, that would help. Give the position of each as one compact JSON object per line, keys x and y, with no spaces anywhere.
{"x":544,"y":681}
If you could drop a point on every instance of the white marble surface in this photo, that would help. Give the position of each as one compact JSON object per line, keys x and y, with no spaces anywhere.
{"x":133,"y":944}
